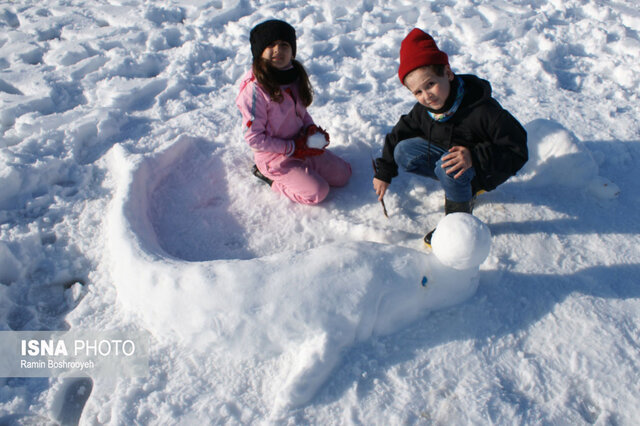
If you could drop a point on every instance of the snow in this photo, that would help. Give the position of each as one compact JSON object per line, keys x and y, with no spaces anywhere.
{"x":127,"y":203}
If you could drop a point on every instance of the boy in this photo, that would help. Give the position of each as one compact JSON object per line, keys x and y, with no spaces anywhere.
{"x":456,"y":133}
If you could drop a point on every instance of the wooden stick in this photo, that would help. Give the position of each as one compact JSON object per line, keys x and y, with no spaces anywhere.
{"x":384,"y":208}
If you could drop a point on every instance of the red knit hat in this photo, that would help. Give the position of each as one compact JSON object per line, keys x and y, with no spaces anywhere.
{"x":419,"y":49}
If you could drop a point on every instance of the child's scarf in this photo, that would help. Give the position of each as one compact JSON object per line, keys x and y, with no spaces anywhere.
{"x":283,"y":77}
{"x":444,"y":116}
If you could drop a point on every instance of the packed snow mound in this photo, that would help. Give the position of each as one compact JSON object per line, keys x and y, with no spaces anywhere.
{"x":187,"y":208}
{"x":296,"y":310}
{"x":461,"y":241}
{"x":553,"y":152}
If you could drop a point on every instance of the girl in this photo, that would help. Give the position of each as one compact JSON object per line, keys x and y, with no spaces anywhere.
{"x":273,"y":99}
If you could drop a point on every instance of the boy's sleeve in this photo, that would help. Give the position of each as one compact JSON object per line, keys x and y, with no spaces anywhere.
{"x":253,"y":108}
{"x":504,"y":152}
{"x":407,"y":127}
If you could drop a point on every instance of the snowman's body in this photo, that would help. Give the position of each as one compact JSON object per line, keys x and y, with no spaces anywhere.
{"x":293,"y":313}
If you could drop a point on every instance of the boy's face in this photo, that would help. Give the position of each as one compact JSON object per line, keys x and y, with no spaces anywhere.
{"x":278,"y":54}
{"x":429,"y":89}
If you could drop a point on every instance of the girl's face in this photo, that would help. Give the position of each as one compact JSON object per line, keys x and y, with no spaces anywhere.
{"x":278,"y":54}
{"x":429,"y":89}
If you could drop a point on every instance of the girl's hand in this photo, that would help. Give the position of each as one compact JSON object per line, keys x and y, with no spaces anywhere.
{"x":380,"y":187}
{"x":458,"y":159}
{"x":303,"y":149}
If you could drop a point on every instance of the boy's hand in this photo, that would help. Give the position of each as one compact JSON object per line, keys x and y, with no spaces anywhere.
{"x":380,"y":187}
{"x":458,"y":159}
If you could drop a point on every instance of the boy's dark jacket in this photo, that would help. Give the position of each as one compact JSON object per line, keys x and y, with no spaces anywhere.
{"x":497,"y":141}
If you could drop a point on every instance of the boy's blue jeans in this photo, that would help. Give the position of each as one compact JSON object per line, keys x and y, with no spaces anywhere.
{"x":417,"y":156}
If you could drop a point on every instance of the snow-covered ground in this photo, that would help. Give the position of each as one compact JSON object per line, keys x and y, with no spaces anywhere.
{"x":127,"y":203}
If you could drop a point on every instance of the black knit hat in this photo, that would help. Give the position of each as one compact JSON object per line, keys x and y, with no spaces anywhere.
{"x":262,"y":35}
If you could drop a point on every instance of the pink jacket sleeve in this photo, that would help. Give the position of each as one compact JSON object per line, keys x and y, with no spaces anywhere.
{"x":308,"y":121}
{"x":253,"y":107}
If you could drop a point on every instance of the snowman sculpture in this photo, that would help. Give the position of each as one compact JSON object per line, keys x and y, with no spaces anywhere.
{"x":449,"y":274}
{"x":292,"y":313}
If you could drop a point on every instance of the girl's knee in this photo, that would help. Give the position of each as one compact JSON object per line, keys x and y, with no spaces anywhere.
{"x":341,"y":176}
{"x":315,"y":194}
{"x":311,"y":192}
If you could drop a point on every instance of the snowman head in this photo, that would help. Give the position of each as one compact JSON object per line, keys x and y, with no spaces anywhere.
{"x":461,"y":241}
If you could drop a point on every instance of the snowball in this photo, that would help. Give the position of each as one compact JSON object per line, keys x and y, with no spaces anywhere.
{"x":461,"y":241}
{"x":316,"y":140}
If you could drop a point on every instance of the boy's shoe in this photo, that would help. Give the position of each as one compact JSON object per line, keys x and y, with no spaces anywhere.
{"x":473,"y":199}
{"x":456,"y":207}
{"x":260,"y":176}
{"x":427,"y":238}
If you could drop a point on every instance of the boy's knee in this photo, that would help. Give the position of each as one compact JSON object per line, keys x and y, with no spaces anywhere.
{"x":412,"y":154}
{"x":401,"y":156}
{"x":440,"y":172}
{"x":464,"y":179}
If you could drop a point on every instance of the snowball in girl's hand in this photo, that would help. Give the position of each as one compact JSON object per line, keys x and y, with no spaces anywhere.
{"x":461,"y":241}
{"x":317,"y":140}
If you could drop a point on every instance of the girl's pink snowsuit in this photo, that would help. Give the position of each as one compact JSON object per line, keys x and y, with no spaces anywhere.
{"x":270,"y":129}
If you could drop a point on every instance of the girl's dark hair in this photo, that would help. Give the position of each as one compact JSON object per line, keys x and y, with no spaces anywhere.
{"x":263,"y":72}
